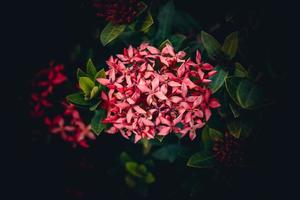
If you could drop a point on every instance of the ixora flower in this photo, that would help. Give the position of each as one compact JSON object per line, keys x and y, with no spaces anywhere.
{"x":65,"y":119}
{"x":155,"y":93}
{"x":118,"y":11}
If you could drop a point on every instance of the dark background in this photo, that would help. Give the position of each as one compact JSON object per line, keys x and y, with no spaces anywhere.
{"x":43,"y":30}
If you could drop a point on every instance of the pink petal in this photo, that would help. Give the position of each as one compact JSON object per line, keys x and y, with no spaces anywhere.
{"x":147,"y":122}
{"x":197,"y":102}
{"x":207,"y":113}
{"x":103,"y":81}
{"x":178,"y":119}
{"x":139,"y":110}
{"x":164,"y":130}
{"x":137,"y":138}
{"x":165,"y":121}
{"x":164,"y":61}
{"x":201,"y":74}
{"x":160,"y":95}
{"x":198,"y":113}
{"x":130,"y":51}
{"x":207,"y":66}
{"x":143,"y":88}
{"x":198,"y":57}
{"x":174,"y":84}
{"x":189,"y":83}
{"x":212,"y":73}
{"x":184,"y":89}
{"x":175,"y":99}
{"x":129,"y":115}
{"x":153,"y":50}
{"x":192,"y":134}
{"x":214,"y":103}
{"x":181,"y":70}
{"x":164,"y":89}
{"x":155,"y":83}
{"x":188,"y":117}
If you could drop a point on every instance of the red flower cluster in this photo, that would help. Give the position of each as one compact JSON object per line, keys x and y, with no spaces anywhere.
{"x":153,"y":92}
{"x":64,"y":120}
{"x":118,"y":11}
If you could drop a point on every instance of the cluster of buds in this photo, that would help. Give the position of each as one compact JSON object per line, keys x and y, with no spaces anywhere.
{"x":154,"y":93}
{"x":64,"y":120}
{"x":228,"y":151}
{"x":118,"y":11}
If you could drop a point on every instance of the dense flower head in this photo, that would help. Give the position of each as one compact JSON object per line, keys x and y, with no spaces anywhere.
{"x":154,"y":92}
{"x":118,"y":11}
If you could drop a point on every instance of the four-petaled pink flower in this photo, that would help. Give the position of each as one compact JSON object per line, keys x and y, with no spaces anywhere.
{"x":155,"y":93}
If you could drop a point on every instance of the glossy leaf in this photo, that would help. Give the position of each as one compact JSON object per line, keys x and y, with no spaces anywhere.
{"x":97,"y":126}
{"x":230,"y":45}
{"x":208,"y":136}
{"x":90,"y":68}
{"x":234,"y":110}
{"x":231,"y":87}
{"x":78,"y":99}
{"x":165,"y":19}
{"x":211,"y":45}
{"x":86,"y":84}
{"x":218,"y":79}
{"x":81,"y":73}
{"x":111,"y":32}
{"x":148,"y":22}
{"x":94,"y":92}
{"x":248,"y":94}
{"x":177,"y":41}
{"x":201,"y":160}
{"x":168,"y":152}
{"x":240,"y":71}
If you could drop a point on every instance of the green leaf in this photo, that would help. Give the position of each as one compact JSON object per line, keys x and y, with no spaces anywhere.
{"x":95,"y":106}
{"x":94,"y":92}
{"x":111,"y":32}
{"x":81,"y":73}
{"x":248,"y":94}
{"x":149,"y":178}
{"x":168,"y":152}
{"x":90,"y":68}
{"x":240,"y":71}
{"x":163,"y":44}
{"x":208,"y":136}
{"x":86,"y":84}
{"x":234,"y":128}
{"x":231,"y":87}
{"x":201,"y":160}
{"x":78,"y":99}
{"x":230,"y":45}
{"x":147,"y":23}
{"x":212,"y":46}
{"x":177,"y":41}
{"x":124,"y":157}
{"x":218,"y":79}
{"x":132,"y":168}
{"x":97,"y":126}
{"x":100,"y":74}
{"x":234,"y":110}
{"x":165,"y":19}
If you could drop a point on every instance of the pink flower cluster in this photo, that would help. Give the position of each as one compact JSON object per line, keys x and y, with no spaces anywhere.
{"x":70,"y":127}
{"x":155,"y":93}
{"x":64,"y":120}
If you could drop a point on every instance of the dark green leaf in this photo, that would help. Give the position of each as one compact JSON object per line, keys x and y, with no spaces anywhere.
{"x":248,"y":94}
{"x":201,"y":160}
{"x":81,"y":73}
{"x":177,"y":41}
{"x":78,"y":99}
{"x":240,"y":71}
{"x":230,"y":45}
{"x":212,"y":46}
{"x":147,"y":23}
{"x":111,"y":32}
{"x":208,"y":136}
{"x":231,"y":87}
{"x":234,"y":110}
{"x":168,"y":152}
{"x":165,"y":19}
{"x":97,"y":126}
{"x":234,"y":128}
{"x":163,"y":44}
{"x":218,"y":79}
{"x":132,"y":168}
{"x":95,"y":106}
{"x":149,"y":178}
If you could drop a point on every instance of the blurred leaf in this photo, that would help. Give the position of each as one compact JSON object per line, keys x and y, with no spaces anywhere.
{"x":218,"y":79}
{"x":130,"y":182}
{"x":168,"y":152}
{"x":208,"y":136}
{"x":212,"y":46}
{"x":81,"y":73}
{"x":97,"y":126}
{"x":147,"y":23}
{"x":230,"y":45}
{"x":234,"y":110}
{"x":185,"y":23}
{"x":86,"y":84}
{"x":234,"y":128}
{"x":165,"y":18}
{"x":149,"y":178}
{"x":231,"y":87}
{"x":78,"y":99}
{"x":95,"y":106}
{"x":163,"y":44}
{"x":248,"y":94}
{"x":111,"y":32}
{"x":90,"y":68}
{"x":240,"y":71}
{"x":124,"y":157}
{"x":177,"y":41}
{"x":201,"y":160}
